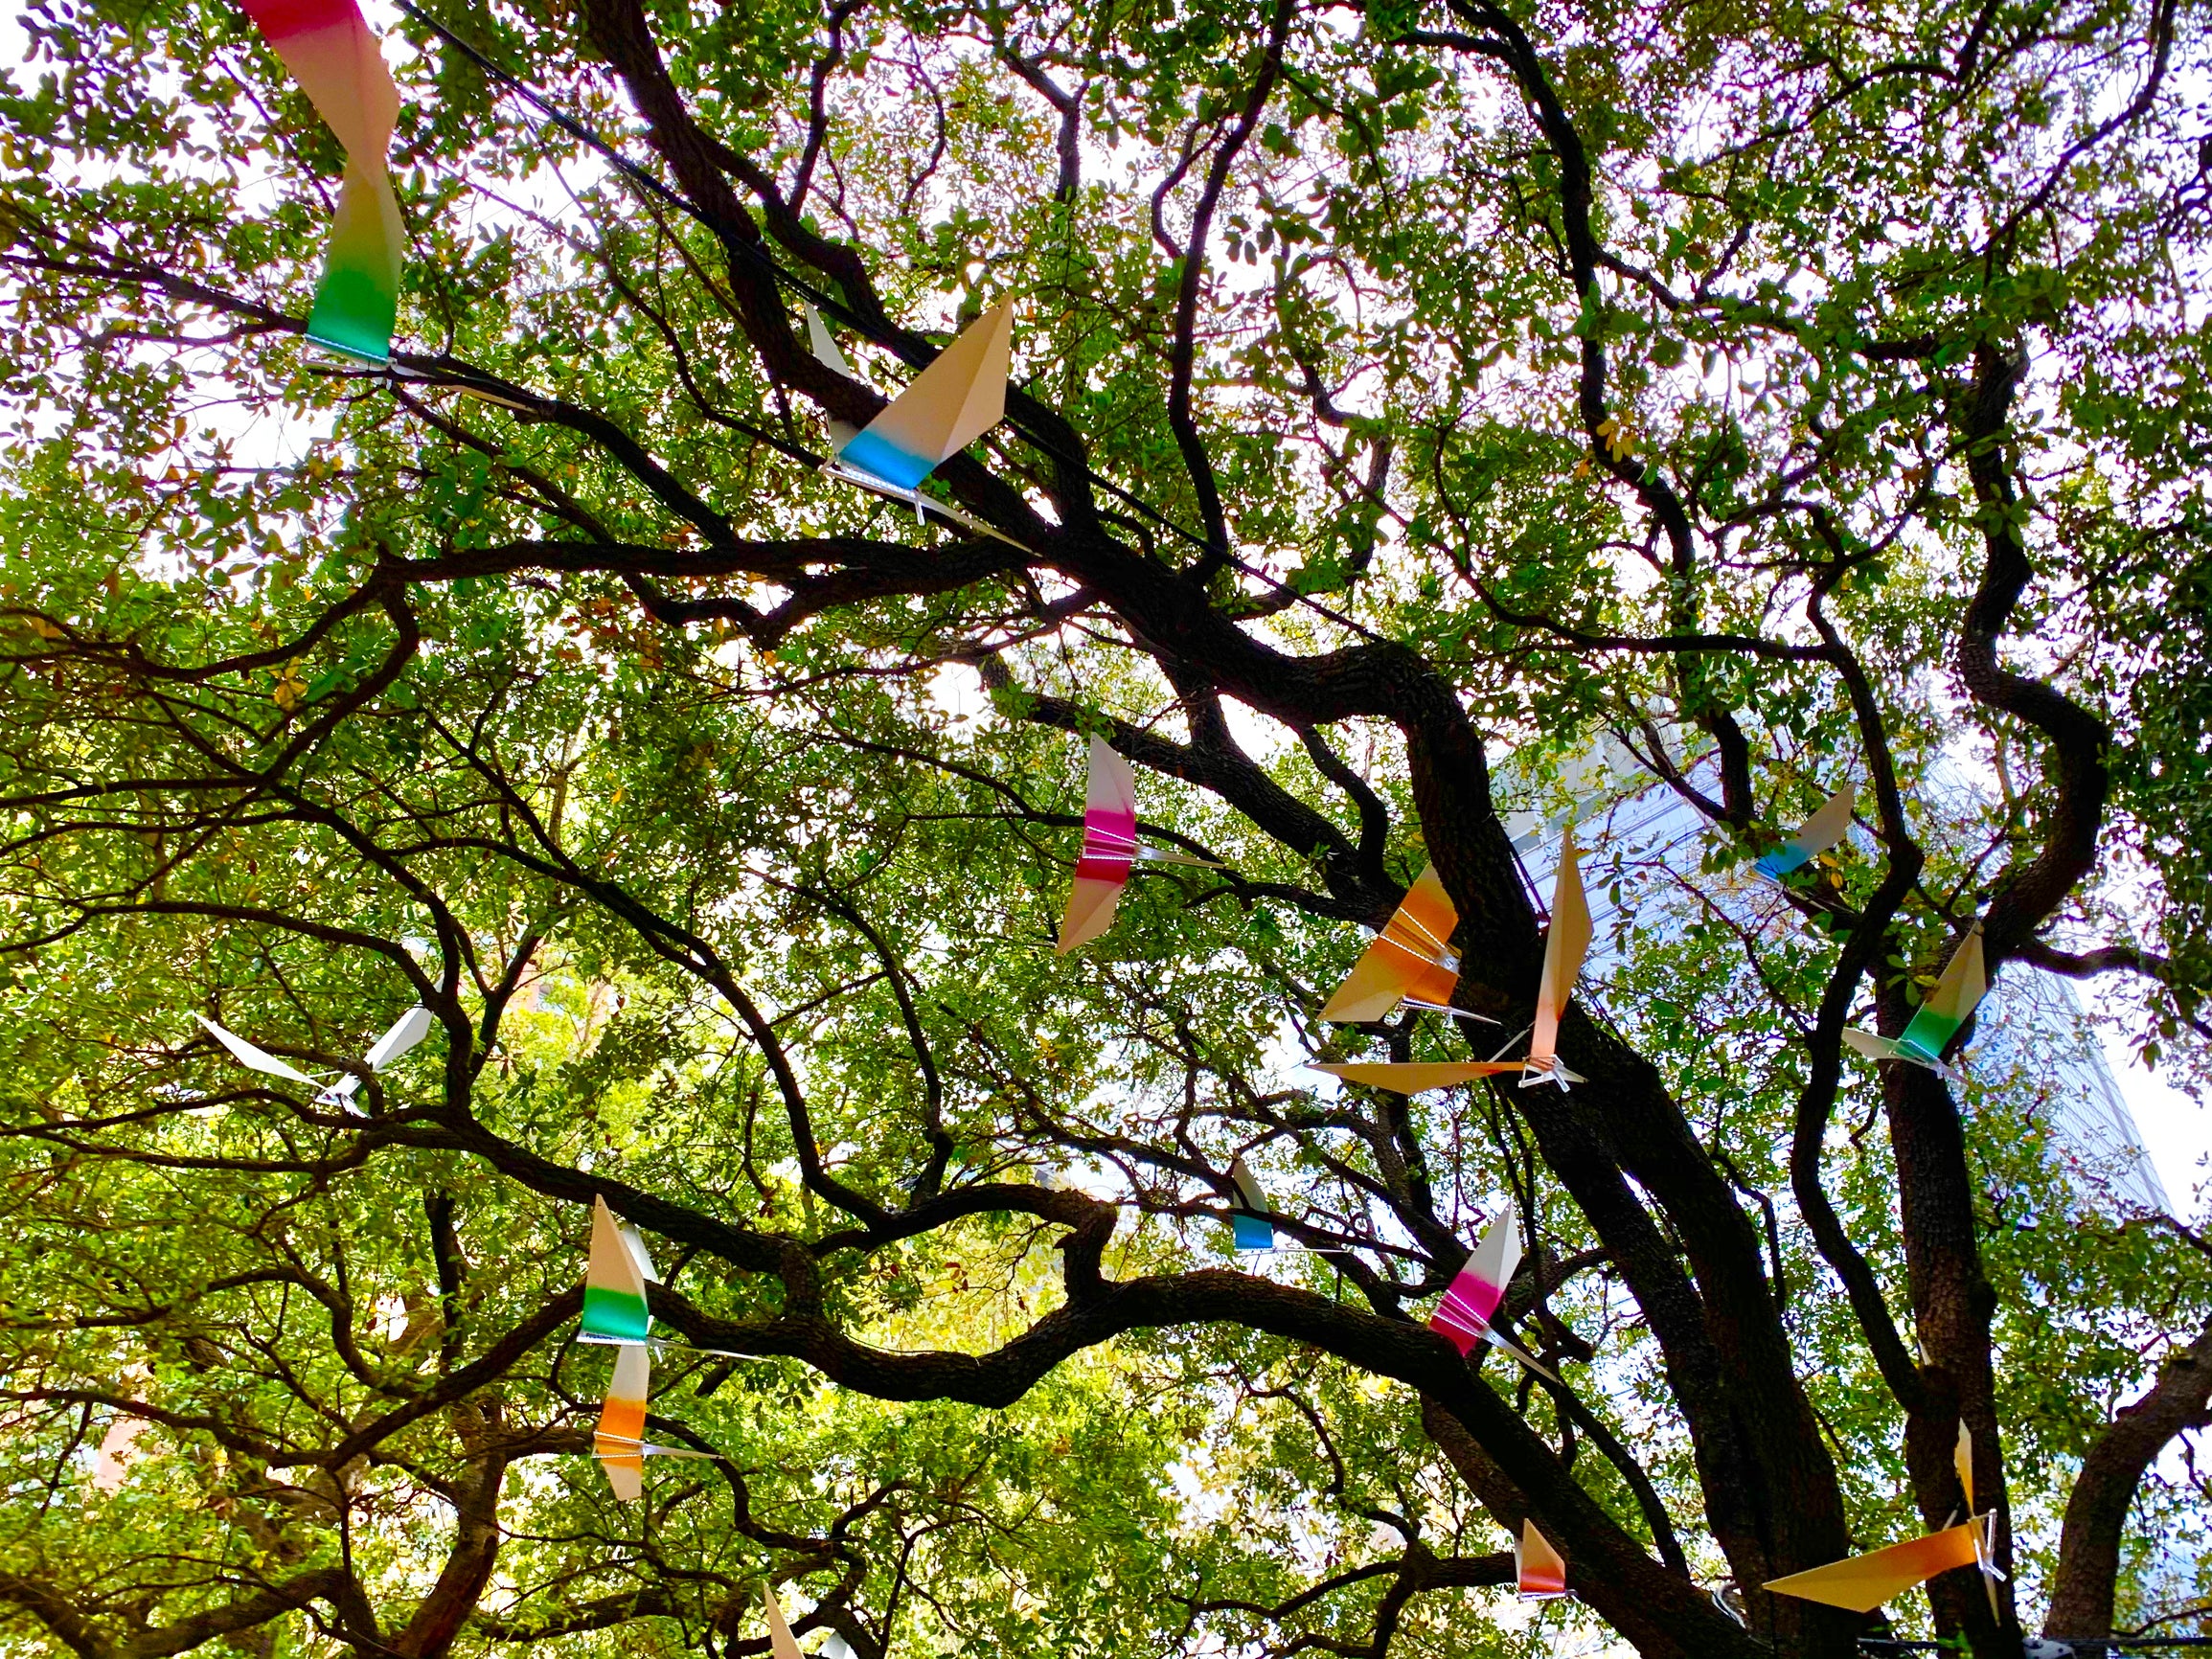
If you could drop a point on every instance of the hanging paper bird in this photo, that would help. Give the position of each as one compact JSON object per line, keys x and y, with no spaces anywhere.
{"x":1815,"y":836}
{"x":1408,"y":955}
{"x":1864,"y":1582}
{"x":1110,"y":848}
{"x":1470,"y":1302}
{"x":1961,"y":985}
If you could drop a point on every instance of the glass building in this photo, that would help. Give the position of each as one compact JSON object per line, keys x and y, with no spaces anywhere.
{"x":2033,"y":1052}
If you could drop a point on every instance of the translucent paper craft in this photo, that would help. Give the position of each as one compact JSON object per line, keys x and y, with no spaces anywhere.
{"x":950,"y":404}
{"x":618,"y":1441}
{"x":1110,"y":848}
{"x":327,"y":46}
{"x":1864,"y":1582}
{"x":782,"y":1645}
{"x":1818,"y":834}
{"x":1394,"y":961}
{"x":1472,"y":1300}
{"x":410,"y":1029}
{"x":614,"y":1309}
{"x":1539,"y":1571}
{"x":1407,"y":962}
{"x":1962,"y":985}
{"x":252,"y":1058}
{"x":1250,"y":1224}
{"x":112,"y":1464}
{"x":1564,"y":945}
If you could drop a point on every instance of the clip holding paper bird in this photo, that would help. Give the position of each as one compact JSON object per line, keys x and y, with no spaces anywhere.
{"x":1956,"y":993}
{"x":1539,"y":1571}
{"x":327,"y":46}
{"x":1470,"y":1302}
{"x":1110,"y":848}
{"x":1814,"y":836}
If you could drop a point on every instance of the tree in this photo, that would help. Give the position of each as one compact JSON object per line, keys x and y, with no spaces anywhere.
{"x":1399,"y":389}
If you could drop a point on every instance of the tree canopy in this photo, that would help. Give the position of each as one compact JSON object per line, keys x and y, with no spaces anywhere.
{"x":1411,"y":399}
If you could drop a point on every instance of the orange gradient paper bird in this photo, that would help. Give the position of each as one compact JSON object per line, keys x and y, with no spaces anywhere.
{"x":1539,"y":1571}
{"x":1408,"y":961}
{"x":1864,"y":1582}
{"x":1110,"y":848}
{"x":1370,"y":991}
{"x":327,"y":46}
{"x":618,"y":1441}
{"x":1564,"y":946}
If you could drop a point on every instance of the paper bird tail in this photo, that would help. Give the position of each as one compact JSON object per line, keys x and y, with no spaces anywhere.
{"x":1090,"y":910}
{"x":1418,"y":1077}
{"x":1864,"y":1582}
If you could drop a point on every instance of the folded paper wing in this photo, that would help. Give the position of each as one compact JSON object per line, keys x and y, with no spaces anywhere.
{"x":1408,"y":958}
{"x":1416,"y":1077}
{"x":1567,"y":942}
{"x":951,"y":403}
{"x":618,"y":1439}
{"x":1463,"y":1318}
{"x":1960,"y":987}
{"x":1539,"y":1571}
{"x":1864,"y":1582}
{"x":408,"y":1031}
{"x":327,"y":46}
{"x":1109,"y":847}
{"x":782,"y":1643}
{"x":1817,"y":834}
{"x":252,"y":1058}
{"x":614,"y":1308}
{"x":1250,"y":1224}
